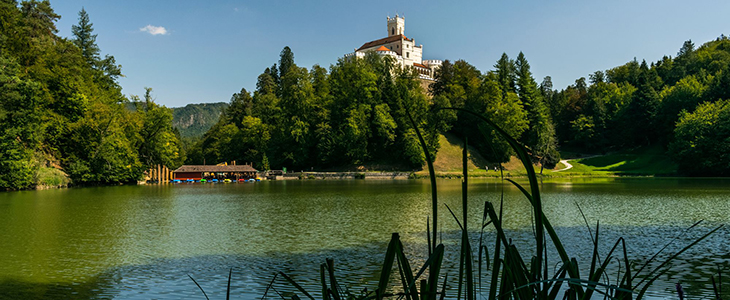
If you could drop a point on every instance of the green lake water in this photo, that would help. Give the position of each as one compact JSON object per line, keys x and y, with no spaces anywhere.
{"x":142,"y":242}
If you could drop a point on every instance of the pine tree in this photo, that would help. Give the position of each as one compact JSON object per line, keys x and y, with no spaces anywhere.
{"x":286,"y":61}
{"x":505,"y":69}
{"x":540,"y":135}
{"x":85,"y":39}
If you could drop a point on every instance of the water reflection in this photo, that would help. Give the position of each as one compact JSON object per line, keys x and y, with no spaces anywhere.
{"x":139,"y":242}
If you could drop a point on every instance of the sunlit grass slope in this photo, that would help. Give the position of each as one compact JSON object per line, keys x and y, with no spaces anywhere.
{"x":642,"y":161}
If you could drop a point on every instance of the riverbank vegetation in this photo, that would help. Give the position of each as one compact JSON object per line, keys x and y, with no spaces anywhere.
{"x":63,"y":117}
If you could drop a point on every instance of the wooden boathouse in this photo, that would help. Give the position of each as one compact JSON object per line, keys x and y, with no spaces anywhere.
{"x":197,"y":172}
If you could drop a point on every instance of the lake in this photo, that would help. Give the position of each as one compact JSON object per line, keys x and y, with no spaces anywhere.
{"x":142,"y":242}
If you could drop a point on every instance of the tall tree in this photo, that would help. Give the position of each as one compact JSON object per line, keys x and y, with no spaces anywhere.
{"x":84,"y":37}
{"x":505,"y":69}
{"x":540,"y":135}
{"x":286,"y":61}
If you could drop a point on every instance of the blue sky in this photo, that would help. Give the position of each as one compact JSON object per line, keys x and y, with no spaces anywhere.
{"x":212,"y":49}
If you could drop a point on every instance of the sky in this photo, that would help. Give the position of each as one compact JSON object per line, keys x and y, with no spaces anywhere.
{"x":191,"y":51}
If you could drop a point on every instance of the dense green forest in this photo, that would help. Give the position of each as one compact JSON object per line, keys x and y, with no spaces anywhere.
{"x":62,"y":114}
{"x":354,"y":114}
{"x":674,"y":103}
{"x":358,"y":113}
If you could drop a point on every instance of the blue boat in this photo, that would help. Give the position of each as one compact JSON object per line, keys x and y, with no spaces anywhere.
{"x":175,"y":181}
{"x":190,"y":180}
{"x":214,"y":180}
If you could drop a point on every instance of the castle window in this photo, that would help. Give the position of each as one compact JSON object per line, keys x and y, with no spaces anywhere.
{"x":408,"y":54}
{"x":392,"y":31}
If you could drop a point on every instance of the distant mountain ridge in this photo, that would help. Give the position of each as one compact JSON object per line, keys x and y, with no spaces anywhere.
{"x":193,"y":120}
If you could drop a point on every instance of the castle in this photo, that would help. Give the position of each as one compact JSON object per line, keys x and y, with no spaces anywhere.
{"x":402,"y":49}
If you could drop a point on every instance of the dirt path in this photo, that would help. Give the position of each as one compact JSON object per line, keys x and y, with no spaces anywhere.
{"x":567,"y":165}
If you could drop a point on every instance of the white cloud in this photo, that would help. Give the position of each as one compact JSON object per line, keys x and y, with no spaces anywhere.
{"x":154,"y":30}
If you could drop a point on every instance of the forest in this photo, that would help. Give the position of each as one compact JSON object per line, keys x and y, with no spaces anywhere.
{"x":678,"y":104}
{"x":63,"y":117}
{"x":357,"y":113}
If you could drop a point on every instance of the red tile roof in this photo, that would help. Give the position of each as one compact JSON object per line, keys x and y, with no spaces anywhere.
{"x":383,"y":41}
{"x":382,"y":48}
{"x":420,"y":65}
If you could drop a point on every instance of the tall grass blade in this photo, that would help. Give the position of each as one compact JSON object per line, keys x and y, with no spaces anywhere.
{"x":455,"y":218}
{"x":387,"y":265}
{"x":407,"y":274}
{"x":554,"y":236}
{"x":443,"y":288}
{"x":667,"y":245}
{"x":432,"y":177}
{"x":323,"y":281}
{"x":469,"y":268}
{"x":428,"y":236}
{"x":594,"y":273}
{"x":497,"y":247}
{"x":646,"y":286}
{"x":575,"y":282}
{"x":296,"y":285}
{"x":482,"y":249}
{"x":461,"y":269}
{"x":465,"y":185}
{"x":433,"y":275}
{"x":531,"y":175}
{"x":437,"y":255}
{"x":334,"y":288}
{"x":201,"y":288}
{"x":228,"y":289}
{"x":557,"y":283}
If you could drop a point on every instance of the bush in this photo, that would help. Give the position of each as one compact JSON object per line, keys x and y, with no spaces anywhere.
{"x":701,"y":144}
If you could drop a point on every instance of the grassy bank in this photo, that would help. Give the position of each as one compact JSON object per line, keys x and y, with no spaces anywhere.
{"x":448,"y":164}
{"x":637,"y":162}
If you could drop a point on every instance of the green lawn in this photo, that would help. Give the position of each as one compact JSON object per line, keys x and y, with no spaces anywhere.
{"x":642,"y":161}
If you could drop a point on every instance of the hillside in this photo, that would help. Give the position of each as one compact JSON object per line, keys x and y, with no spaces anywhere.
{"x":448,"y":158}
{"x":193,"y":120}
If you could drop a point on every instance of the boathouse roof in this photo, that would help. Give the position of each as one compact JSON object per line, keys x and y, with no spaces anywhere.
{"x":215,"y":169}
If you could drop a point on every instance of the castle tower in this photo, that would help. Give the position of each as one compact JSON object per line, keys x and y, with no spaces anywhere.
{"x":396,"y":25}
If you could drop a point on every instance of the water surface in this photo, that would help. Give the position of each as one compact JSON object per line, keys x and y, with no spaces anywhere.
{"x":142,"y":242}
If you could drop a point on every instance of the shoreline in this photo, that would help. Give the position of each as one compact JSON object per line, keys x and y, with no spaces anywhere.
{"x":408,"y":175}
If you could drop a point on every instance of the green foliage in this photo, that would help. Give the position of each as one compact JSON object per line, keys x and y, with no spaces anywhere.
{"x":493,"y":95}
{"x":302,"y":118}
{"x":61,"y":104}
{"x":639,"y":104}
{"x":540,"y":135}
{"x":84,"y":39}
{"x":702,"y":140}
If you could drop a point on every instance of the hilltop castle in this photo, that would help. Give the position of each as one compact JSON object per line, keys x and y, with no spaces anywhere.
{"x":402,"y":49}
